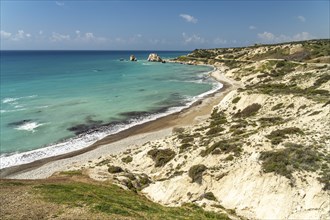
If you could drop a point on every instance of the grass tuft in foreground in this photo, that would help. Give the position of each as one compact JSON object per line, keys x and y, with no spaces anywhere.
{"x":116,"y":202}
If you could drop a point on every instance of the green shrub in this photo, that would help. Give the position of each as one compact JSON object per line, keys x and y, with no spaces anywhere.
{"x":209,"y":196}
{"x":278,"y":136}
{"x":235,"y":100}
{"x":187,"y":140}
{"x":161,"y":156}
{"x":215,"y":130}
{"x":223,"y":146}
{"x":127,"y":159}
{"x":292,"y":157}
{"x":290,"y":106}
{"x":230,"y":158}
{"x":323,"y":79}
{"x":248,"y":111}
{"x":270,"y":120}
{"x":103,"y":162}
{"x":114,"y":169}
{"x":276,"y":107}
{"x":184,"y":147}
{"x":217,"y":118}
{"x":196,"y":173}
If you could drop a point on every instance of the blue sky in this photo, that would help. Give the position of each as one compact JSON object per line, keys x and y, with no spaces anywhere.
{"x":159,"y":25}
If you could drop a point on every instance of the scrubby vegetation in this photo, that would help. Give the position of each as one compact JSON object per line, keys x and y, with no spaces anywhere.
{"x":196,"y":173}
{"x":248,"y":111}
{"x":127,"y":159}
{"x":223,"y":146}
{"x":295,"y":157}
{"x":279,"y":135}
{"x":235,"y":100}
{"x":209,"y":196}
{"x":161,"y":156}
{"x":114,"y":169}
{"x":268,"y":121}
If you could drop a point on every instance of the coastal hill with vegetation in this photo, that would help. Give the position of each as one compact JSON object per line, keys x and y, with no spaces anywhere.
{"x":262,"y":153}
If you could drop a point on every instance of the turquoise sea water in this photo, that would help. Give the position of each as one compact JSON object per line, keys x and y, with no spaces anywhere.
{"x":53,"y":102}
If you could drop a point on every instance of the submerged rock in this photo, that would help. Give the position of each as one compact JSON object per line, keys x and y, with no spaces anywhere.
{"x":19,"y":123}
{"x":153,"y":57}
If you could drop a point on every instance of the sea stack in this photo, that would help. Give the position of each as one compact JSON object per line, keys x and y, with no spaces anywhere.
{"x":153,"y":57}
{"x":132,"y":58}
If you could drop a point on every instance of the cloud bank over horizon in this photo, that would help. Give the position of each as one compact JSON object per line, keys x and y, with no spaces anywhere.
{"x":146,"y":25}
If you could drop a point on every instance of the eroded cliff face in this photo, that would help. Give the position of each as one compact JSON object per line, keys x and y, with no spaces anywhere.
{"x":265,"y":147}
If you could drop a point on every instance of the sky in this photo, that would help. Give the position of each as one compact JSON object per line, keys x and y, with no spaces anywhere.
{"x":159,"y":25}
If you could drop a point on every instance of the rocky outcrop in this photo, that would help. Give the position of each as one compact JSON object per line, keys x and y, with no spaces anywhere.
{"x":153,"y":57}
{"x":132,"y":58}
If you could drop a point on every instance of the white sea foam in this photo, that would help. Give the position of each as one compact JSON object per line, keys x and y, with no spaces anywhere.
{"x":9,"y":100}
{"x":28,"y":126}
{"x":85,"y":140}
{"x":13,"y":110}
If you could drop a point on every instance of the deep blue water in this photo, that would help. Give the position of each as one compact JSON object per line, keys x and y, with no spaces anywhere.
{"x":60,"y":101}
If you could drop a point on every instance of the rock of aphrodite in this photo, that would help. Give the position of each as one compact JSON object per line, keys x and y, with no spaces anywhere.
{"x":132,"y":58}
{"x":153,"y":57}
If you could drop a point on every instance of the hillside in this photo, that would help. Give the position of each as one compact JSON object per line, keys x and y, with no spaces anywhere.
{"x":264,"y":152}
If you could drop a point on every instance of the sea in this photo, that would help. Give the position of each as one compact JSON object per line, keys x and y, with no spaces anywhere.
{"x":55,"y":102}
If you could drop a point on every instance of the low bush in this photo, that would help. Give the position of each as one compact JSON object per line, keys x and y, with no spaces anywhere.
{"x":235,"y":100}
{"x":184,"y":147}
{"x":215,"y":130}
{"x":114,"y":169}
{"x":292,"y":157}
{"x":248,"y":111}
{"x":196,"y":173}
{"x":127,"y":159}
{"x":270,"y":120}
{"x":279,"y":135}
{"x":209,"y":196}
{"x":161,"y":156}
{"x":223,"y":146}
{"x":276,"y":107}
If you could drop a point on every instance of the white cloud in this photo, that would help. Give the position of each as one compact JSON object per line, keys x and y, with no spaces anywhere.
{"x":5,"y":35}
{"x":301,"y":18}
{"x":61,"y":4}
{"x":192,"y":39}
{"x":21,"y":35}
{"x":88,"y":37}
{"x":59,"y":37}
{"x":219,"y":41}
{"x":268,"y":37}
{"x":251,"y":27}
{"x":41,"y":32}
{"x":189,"y":18}
{"x":302,"y":36}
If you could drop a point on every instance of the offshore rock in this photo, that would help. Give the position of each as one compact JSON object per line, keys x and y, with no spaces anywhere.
{"x":132,"y":58}
{"x":153,"y":57}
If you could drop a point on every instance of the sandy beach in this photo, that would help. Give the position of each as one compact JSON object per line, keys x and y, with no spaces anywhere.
{"x":137,"y":135}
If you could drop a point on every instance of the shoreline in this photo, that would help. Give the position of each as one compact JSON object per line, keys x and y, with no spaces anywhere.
{"x":116,"y":143}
